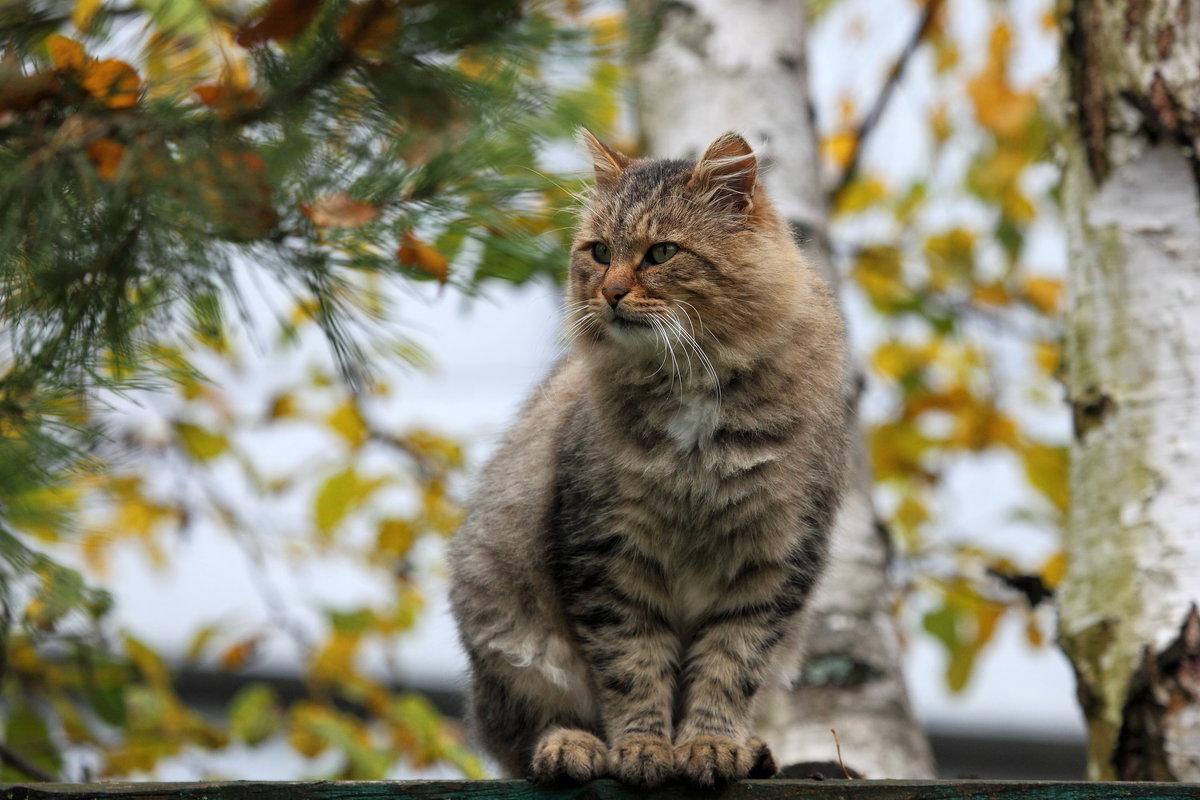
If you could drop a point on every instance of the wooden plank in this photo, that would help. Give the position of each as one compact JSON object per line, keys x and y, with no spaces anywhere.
{"x":602,"y":790}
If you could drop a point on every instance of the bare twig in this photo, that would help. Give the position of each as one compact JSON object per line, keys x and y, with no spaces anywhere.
{"x":21,"y":764}
{"x":838,"y":744}
{"x":868,"y":123}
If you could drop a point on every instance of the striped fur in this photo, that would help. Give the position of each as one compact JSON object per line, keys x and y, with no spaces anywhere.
{"x":641,"y":549}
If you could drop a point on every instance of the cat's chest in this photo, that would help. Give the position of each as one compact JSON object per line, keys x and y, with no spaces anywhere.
{"x":693,"y":421}
{"x":695,"y":587}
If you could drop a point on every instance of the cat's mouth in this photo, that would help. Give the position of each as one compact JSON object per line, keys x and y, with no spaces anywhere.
{"x":622,"y":321}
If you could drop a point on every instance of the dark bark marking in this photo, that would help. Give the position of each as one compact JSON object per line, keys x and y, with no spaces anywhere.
{"x":1089,"y":410}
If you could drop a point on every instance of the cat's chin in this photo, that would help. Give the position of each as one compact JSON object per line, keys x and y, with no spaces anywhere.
{"x":631,"y":332}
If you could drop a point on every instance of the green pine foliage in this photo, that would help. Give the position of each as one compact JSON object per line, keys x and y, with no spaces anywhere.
{"x":152,"y":155}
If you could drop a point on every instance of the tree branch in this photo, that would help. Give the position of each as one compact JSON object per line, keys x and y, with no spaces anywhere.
{"x":18,"y":762}
{"x":871,"y":120}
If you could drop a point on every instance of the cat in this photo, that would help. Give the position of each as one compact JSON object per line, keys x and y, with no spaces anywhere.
{"x":639,"y":553}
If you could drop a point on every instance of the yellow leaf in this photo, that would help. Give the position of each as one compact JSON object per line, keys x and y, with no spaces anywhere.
{"x":394,"y":538}
{"x":839,"y":147}
{"x":998,"y":106}
{"x":348,"y":423}
{"x":1048,"y":356}
{"x":112,"y":81}
{"x":1053,"y":569}
{"x":951,"y":257}
{"x":307,"y":722}
{"x":1046,"y":470}
{"x":1033,"y":631}
{"x":67,"y":54}
{"x":335,"y":660}
{"x":1044,"y":294}
{"x":995,"y":294}
{"x":939,"y":123}
{"x":896,"y":359}
{"x":877,"y":270}
{"x":860,"y":194}
{"x":201,"y":444}
{"x":417,"y":254}
{"x":147,"y":662}
{"x":81,"y":15}
{"x":608,"y":31}
{"x":341,"y":493}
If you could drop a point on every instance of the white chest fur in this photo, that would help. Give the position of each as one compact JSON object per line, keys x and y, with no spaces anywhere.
{"x":693,"y":422}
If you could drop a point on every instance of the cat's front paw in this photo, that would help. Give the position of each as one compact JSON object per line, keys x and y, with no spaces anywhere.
{"x":764,"y":763}
{"x":566,"y":755}
{"x":642,"y":760}
{"x":713,"y":760}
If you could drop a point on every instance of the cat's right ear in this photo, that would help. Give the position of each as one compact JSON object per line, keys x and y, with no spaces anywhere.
{"x":728,"y":171}
{"x":608,"y":163}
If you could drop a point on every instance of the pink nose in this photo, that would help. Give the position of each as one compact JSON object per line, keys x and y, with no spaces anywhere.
{"x":614,"y":293}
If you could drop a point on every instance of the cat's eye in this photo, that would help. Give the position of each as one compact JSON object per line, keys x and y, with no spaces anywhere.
{"x":600,"y":253}
{"x":661,"y":252}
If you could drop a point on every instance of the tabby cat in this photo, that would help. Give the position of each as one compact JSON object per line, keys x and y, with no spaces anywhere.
{"x":641,"y":549}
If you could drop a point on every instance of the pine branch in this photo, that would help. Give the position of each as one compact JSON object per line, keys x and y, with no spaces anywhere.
{"x":868,"y":124}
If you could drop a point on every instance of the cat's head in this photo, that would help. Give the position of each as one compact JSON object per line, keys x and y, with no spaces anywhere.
{"x":668,"y":249}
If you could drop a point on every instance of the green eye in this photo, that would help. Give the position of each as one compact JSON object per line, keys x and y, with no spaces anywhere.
{"x":600,"y":253}
{"x":662,"y":252}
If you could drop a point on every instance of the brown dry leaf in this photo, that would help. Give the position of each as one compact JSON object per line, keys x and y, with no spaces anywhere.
{"x":367,"y":28}
{"x":225,"y":99}
{"x":105,"y":155}
{"x":339,"y":210}
{"x":66,"y":54}
{"x":113,"y":81}
{"x":281,"y":21}
{"x":22,"y":92}
{"x":417,"y":254}
{"x":239,"y":655}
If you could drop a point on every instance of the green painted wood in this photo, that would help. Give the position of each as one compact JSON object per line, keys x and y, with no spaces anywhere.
{"x":602,"y":790}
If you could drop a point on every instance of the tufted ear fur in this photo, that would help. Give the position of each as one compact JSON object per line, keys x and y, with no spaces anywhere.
{"x":727,"y":171}
{"x":608,"y":163}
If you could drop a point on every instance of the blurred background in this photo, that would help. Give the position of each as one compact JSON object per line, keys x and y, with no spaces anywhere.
{"x":277,"y":275}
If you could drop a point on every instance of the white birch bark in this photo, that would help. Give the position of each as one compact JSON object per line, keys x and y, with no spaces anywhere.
{"x":709,"y":66}
{"x":1132,"y":198}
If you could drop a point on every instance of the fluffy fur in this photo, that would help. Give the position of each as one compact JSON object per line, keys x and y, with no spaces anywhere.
{"x":640,"y":551}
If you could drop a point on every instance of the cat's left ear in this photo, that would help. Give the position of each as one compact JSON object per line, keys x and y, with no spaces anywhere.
{"x":729,"y":170}
{"x":608,"y":163}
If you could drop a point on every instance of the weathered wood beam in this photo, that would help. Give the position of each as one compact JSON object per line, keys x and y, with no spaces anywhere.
{"x":603,"y":790}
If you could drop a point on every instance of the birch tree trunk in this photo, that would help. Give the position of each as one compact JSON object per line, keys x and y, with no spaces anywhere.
{"x":705,"y":67}
{"x":1128,"y":618}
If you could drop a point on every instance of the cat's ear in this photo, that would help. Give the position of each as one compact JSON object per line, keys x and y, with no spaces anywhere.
{"x":728,"y":169}
{"x":608,"y":163}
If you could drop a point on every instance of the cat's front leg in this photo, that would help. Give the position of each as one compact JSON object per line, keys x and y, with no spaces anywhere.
{"x":633,"y":656}
{"x":727,"y":664}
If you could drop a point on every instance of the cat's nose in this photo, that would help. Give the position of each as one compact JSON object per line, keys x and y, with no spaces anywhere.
{"x":614,"y":293}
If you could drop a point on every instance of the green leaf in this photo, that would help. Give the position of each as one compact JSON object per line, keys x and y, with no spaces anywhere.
{"x":254,"y":714}
{"x":27,"y":734}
